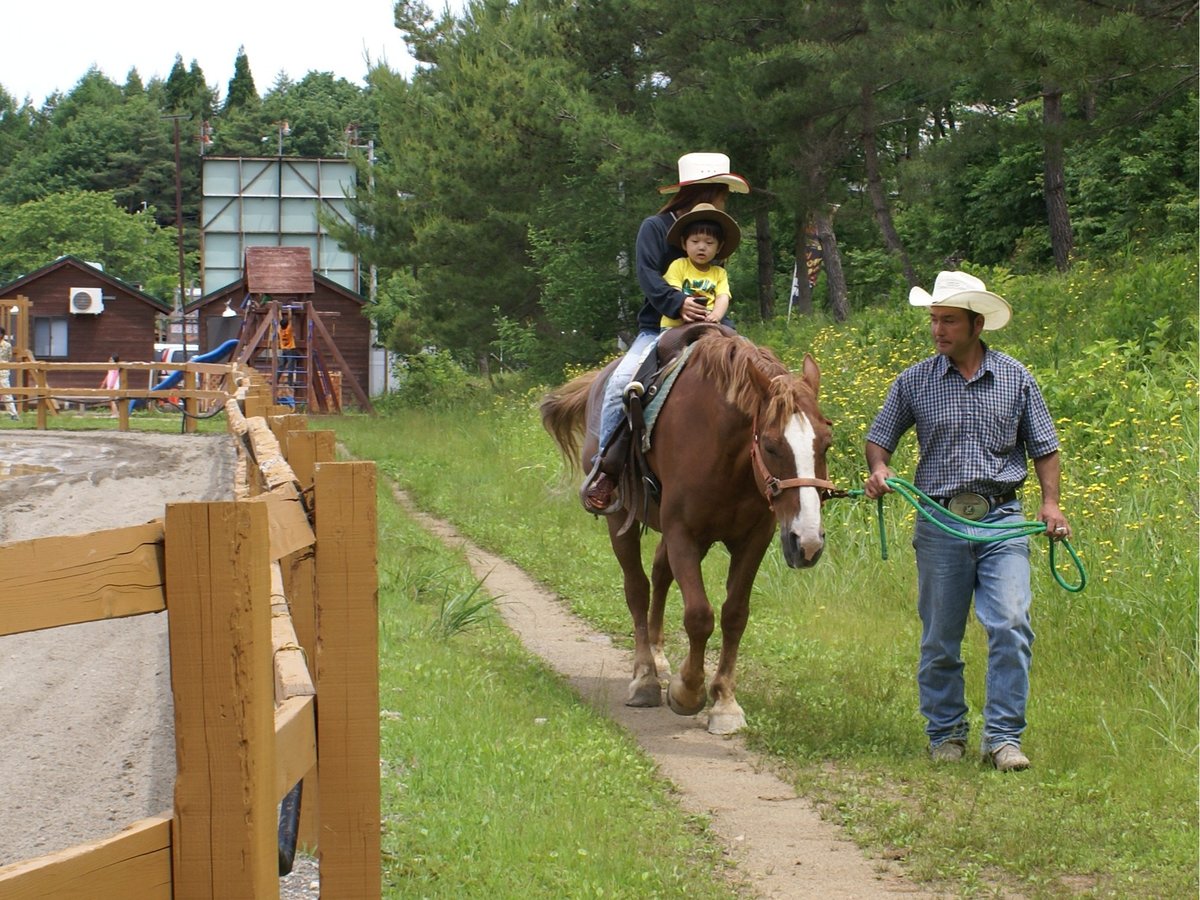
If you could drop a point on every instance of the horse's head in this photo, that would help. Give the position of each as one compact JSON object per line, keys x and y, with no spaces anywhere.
{"x":791,"y":440}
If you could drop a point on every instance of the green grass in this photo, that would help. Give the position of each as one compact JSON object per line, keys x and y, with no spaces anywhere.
{"x":497,"y":781}
{"x":828,"y":661}
{"x":97,"y":419}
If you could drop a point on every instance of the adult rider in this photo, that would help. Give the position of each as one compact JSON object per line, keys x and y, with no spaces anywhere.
{"x":703,"y":178}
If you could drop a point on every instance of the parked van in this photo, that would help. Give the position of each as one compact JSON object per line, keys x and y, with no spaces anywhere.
{"x":173,"y":353}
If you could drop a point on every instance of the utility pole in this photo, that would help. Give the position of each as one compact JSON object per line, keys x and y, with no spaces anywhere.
{"x":175,"y":120}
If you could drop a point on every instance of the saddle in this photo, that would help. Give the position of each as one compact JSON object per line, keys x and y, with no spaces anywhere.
{"x":624,"y":458}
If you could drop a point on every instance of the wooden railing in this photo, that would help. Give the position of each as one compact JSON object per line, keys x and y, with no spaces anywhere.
{"x":203,"y":386}
{"x":273,"y":641}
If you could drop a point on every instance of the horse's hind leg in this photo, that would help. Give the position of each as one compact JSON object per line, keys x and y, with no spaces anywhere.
{"x":644,"y":689}
{"x":661,"y":580}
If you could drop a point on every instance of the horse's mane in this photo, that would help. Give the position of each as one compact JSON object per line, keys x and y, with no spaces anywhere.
{"x":747,"y":375}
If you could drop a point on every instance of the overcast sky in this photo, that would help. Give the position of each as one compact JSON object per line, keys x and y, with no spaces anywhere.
{"x":50,"y":44}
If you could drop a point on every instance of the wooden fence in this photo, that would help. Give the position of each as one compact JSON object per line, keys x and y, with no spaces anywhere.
{"x":272,"y":601}
{"x":202,"y":386}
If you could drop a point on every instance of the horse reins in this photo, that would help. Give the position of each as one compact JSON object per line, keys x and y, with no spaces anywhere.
{"x":1001,"y":531}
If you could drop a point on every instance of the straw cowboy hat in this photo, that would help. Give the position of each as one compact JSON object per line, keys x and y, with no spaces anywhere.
{"x":707,"y":168}
{"x":706,"y":212}
{"x":963,"y":291}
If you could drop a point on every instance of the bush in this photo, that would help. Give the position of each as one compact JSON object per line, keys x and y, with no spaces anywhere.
{"x":431,"y":378}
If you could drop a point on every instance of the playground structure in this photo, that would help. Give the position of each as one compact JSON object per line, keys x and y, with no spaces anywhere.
{"x":291,"y":598}
{"x":315,"y":382}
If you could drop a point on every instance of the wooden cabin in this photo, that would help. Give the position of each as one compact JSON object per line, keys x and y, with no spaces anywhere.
{"x":80,"y":313}
{"x":283,"y":277}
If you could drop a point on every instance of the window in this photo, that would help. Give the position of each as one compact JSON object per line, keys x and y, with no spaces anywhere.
{"x":50,"y":337}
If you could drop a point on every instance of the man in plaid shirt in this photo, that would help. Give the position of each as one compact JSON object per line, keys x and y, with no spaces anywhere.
{"x":979,"y":417}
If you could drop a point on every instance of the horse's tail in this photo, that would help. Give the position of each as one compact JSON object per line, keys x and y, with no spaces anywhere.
{"x":564,"y":415}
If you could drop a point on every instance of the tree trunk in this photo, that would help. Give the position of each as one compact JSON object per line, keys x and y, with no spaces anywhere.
{"x":835,"y":279}
{"x":883,"y":213}
{"x":803,"y":304}
{"x":1058,"y":215}
{"x":766,"y":263}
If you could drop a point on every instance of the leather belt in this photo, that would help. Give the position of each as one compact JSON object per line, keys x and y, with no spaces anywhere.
{"x":974,"y":506}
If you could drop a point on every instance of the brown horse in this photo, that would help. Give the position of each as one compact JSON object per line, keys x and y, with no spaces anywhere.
{"x":739,"y":448}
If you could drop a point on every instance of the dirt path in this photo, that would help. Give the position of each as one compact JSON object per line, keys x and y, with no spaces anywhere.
{"x":777,"y":838}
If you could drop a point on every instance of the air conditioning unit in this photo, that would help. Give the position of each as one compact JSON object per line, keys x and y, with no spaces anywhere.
{"x":87,"y":301}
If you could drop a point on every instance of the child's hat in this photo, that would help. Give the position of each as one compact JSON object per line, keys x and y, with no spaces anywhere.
{"x":707,"y":168}
{"x":706,"y":212}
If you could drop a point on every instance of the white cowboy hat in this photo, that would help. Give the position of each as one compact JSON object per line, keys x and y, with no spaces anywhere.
{"x":706,"y":212}
{"x":707,"y":168}
{"x":963,"y":291}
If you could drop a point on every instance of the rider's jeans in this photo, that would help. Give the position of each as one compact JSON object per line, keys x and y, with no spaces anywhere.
{"x":949,"y":571}
{"x":612,"y":408}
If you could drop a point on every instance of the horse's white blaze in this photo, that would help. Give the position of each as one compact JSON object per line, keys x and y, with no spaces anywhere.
{"x":806,"y":526}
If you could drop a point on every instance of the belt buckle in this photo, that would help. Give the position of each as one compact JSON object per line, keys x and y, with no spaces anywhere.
{"x":969,"y":506}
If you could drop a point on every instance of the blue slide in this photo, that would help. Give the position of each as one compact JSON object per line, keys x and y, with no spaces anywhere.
{"x":174,"y":378}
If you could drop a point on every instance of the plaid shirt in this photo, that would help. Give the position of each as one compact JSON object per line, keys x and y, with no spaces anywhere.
{"x":973,"y":435}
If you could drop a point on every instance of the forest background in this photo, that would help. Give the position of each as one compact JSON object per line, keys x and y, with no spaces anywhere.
{"x":502,"y":183}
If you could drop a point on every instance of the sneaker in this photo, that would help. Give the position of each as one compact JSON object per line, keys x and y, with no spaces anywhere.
{"x":949,"y":751}
{"x":1007,"y":758}
{"x":14,"y":418}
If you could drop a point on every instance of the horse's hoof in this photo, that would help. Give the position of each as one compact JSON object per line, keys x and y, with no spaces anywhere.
{"x":726,"y":723}
{"x":683,"y":708}
{"x":645,"y":692}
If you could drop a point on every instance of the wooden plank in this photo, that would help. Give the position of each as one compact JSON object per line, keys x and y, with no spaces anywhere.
{"x":292,"y":677}
{"x":134,"y":863}
{"x":56,"y":581}
{"x":297,"y":571}
{"x":222,"y":679}
{"x":287,"y":520}
{"x":295,"y":743}
{"x":307,"y":448}
{"x":268,"y":453}
{"x":348,"y":679}
{"x":281,"y":424}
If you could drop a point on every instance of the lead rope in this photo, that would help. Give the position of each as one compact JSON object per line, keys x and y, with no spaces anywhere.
{"x":1003,"y":531}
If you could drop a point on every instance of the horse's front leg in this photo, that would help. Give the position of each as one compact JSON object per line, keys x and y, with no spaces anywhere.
{"x":644,"y":689}
{"x":661,"y":579}
{"x":685,"y":693}
{"x":726,"y":715}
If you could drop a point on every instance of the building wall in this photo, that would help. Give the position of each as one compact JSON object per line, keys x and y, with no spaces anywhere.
{"x":125,"y":327}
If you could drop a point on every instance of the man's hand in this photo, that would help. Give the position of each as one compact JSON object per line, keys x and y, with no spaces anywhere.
{"x":877,"y":461}
{"x":1057,"y":526}
{"x":876,"y":484}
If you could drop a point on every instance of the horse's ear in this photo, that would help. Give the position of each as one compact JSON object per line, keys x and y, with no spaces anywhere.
{"x":812,"y":372}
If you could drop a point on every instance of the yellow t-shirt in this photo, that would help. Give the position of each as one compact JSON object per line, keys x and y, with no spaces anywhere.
{"x":709,"y":284}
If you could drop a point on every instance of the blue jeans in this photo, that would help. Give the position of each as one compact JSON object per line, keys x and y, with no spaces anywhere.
{"x":949,"y":571}
{"x":612,"y":409}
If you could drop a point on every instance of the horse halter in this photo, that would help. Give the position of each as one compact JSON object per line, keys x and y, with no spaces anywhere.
{"x":772,"y":487}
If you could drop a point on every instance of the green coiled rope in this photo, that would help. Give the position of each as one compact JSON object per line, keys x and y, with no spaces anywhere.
{"x":1001,"y":531}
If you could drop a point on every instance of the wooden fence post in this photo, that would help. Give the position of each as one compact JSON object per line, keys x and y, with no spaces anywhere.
{"x":348,"y":680}
{"x":222,"y":677}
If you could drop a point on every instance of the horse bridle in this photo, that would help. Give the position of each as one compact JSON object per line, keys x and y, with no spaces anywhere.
{"x":772,"y":486}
